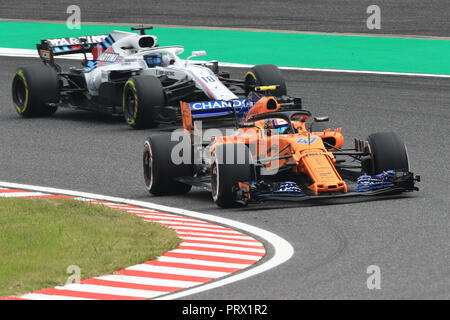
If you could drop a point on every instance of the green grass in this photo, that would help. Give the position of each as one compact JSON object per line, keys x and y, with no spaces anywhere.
{"x":283,"y":49}
{"x":40,"y":238}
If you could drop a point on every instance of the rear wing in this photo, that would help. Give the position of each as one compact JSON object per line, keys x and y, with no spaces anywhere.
{"x":217,"y":109}
{"x":237,"y":109}
{"x":49,"y":48}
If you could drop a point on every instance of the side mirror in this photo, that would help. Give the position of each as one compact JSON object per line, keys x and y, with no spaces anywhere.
{"x":200,"y":53}
{"x":321,"y":119}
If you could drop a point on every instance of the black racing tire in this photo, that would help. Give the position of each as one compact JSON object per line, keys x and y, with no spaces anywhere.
{"x":141,"y":94}
{"x":225,"y":176}
{"x":33,"y":88}
{"x":266,"y":75}
{"x":388,"y":152}
{"x":159,"y":170}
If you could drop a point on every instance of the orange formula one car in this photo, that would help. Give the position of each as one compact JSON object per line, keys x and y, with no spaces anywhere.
{"x":276,"y":152}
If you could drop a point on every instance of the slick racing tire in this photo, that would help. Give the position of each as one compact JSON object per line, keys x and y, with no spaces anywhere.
{"x":388,"y":152}
{"x":160,"y":171}
{"x":141,"y":95}
{"x":226,"y":175}
{"x":266,"y":75}
{"x":34,"y":88}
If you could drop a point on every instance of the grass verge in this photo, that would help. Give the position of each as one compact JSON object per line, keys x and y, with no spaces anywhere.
{"x":41,"y":238}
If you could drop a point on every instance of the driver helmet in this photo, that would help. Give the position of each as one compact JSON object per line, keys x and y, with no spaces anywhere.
{"x":277,"y":126}
{"x":166,"y":61}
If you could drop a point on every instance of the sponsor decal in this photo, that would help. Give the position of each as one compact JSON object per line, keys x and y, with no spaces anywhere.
{"x":165,"y":73}
{"x":45,"y":54}
{"x":305,"y":140}
{"x":69,"y":41}
{"x":108,"y":57}
{"x":218,"y":104}
{"x":288,"y":187}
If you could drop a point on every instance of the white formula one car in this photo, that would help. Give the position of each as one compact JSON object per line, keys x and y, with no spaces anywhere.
{"x":130,"y":74}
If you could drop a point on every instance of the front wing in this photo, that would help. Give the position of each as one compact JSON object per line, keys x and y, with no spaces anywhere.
{"x":402,"y":182}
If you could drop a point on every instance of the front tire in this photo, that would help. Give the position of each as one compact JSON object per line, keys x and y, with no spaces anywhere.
{"x":33,"y":88}
{"x":388,"y":152}
{"x":160,"y":172}
{"x":266,"y":75}
{"x":225,"y":176}
{"x":141,"y":95}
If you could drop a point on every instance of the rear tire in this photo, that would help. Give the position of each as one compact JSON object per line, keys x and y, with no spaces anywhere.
{"x":225,"y":176}
{"x":159,"y":170}
{"x":266,"y":75}
{"x":33,"y":88}
{"x":141,"y":94}
{"x":388,"y":152}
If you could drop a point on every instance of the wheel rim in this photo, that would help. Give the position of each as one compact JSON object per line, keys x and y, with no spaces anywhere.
{"x":130,"y":105}
{"x":250,"y":80}
{"x":20,"y":94}
{"x":215,"y":180}
{"x":148,"y":166}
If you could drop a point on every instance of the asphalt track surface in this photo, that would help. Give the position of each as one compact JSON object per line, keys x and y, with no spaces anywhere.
{"x":334,"y":241}
{"x":405,"y":17}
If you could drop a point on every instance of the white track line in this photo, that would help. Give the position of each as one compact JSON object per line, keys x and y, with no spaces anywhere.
{"x":181,"y":222}
{"x":194,"y":229}
{"x":204,"y":263}
{"x":183,"y":233}
{"x":178,"y":271}
{"x":282,"y":250}
{"x":193,"y":239}
{"x":92,"y":288}
{"x":21,"y":194}
{"x":217,"y":246}
{"x":216,"y":254}
{"x":149,"y":281}
{"x":200,"y":262}
{"x":29,"y":53}
{"x":40,"y":296}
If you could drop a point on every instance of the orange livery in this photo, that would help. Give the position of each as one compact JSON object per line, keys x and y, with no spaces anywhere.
{"x":278,"y":151}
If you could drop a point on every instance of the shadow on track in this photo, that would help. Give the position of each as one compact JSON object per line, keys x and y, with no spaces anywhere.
{"x":205,"y":197}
